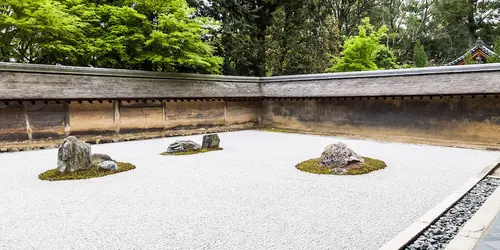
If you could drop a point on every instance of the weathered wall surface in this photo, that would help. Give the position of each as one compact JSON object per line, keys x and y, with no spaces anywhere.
{"x":468,"y":118}
{"x":13,"y":122}
{"x":92,"y":118}
{"x":458,"y":104}
{"x":195,"y":114}
{"x":46,"y":120}
{"x":51,"y":120}
{"x":141,"y":116}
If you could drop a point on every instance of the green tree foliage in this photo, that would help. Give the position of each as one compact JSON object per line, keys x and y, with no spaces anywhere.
{"x":300,"y":39}
{"x":242,"y":37}
{"x":365,"y":51}
{"x":243,"y":32}
{"x":496,"y":49}
{"x":457,"y":24}
{"x":468,"y":59}
{"x":115,"y":36}
{"x":39,"y":31}
{"x":176,"y":40}
{"x":420,"y":58}
{"x":350,"y":13}
{"x":144,"y":34}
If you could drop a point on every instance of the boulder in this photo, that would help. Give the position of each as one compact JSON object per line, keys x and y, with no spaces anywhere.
{"x":211,"y":141}
{"x":108,"y":165}
{"x":338,"y":156}
{"x":183,"y":146}
{"x":98,"y":158}
{"x":73,"y":155}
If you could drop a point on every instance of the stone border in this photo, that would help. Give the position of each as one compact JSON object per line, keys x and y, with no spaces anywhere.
{"x":414,"y":230}
{"x":474,"y":229}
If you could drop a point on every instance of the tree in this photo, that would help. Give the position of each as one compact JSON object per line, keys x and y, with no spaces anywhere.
{"x":365,"y":51}
{"x":471,"y":18}
{"x":243,"y":32}
{"x":39,"y":31}
{"x":143,"y":34}
{"x":349,"y":13}
{"x":407,"y":21}
{"x":457,"y":24}
{"x":176,"y":41}
{"x":468,"y":59}
{"x":496,"y":49}
{"x":302,"y":35}
{"x":419,"y":56}
{"x":114,"y":36}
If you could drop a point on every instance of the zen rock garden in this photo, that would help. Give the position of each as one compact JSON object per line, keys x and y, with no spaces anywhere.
{"x":209,"y":143}
{"x":338,"y":159}
{"x":76,"y":161}
{"x":237,"y":197}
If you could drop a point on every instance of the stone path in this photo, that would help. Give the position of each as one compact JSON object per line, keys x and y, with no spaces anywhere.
{"x":491,"y":240}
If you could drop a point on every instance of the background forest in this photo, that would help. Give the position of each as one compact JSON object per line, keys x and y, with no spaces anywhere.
{"x":243,"y":37}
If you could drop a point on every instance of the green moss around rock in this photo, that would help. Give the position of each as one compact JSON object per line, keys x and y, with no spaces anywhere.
{"x":55,"y":175}
{"x":193,"y":152}
{"x":370,"y":165}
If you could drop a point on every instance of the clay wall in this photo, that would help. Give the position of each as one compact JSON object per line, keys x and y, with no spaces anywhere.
{"x":457,"y":104}
{"x":471,"y":118}
{"x":50,"y":120}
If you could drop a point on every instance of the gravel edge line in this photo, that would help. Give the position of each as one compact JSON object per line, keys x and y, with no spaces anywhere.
{"x":441,"y":232}
{"x":472,"y":233}
{"x":411,"y":233}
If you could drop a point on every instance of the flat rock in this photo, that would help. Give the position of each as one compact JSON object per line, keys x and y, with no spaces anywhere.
{"x":108,"y":165}
{"x":211,"y":141}
{"x":183,"y":146}
{"x":98,"y":158}
{"x":73,"y":155}
{"x":339,"y":156}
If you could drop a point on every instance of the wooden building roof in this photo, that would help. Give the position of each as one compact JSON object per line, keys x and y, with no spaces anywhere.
{"x":479,"y":53}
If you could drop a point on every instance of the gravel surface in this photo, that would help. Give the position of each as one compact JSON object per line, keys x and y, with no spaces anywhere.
{"x":439,"y":234}
{"x":248,"y":196}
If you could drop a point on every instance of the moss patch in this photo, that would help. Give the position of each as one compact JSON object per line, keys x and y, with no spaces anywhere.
{"x":193,"y":152}
{"x":55,"y":175}
{"x":370,"y":165}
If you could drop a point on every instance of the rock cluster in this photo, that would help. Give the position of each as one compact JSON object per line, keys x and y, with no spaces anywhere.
{"x":74,"y":155}
{"x":439,"y":234}
{"x":339,"y":157}
{"x":209,"y":141}
{"x":182,"y":146}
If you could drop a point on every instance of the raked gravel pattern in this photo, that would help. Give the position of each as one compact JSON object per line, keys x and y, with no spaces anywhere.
{"x":248,"y":196}
{"x":440,"y":233}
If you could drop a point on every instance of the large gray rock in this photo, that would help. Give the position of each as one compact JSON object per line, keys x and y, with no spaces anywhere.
{"x":108,"y":165}
{"x":183,"y":146}
{"x":73,"y":155}
{"x":211,"y":141}
{"x":339,"y":156}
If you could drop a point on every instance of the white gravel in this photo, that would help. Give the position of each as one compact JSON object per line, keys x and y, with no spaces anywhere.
{"x":248,"y":196}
